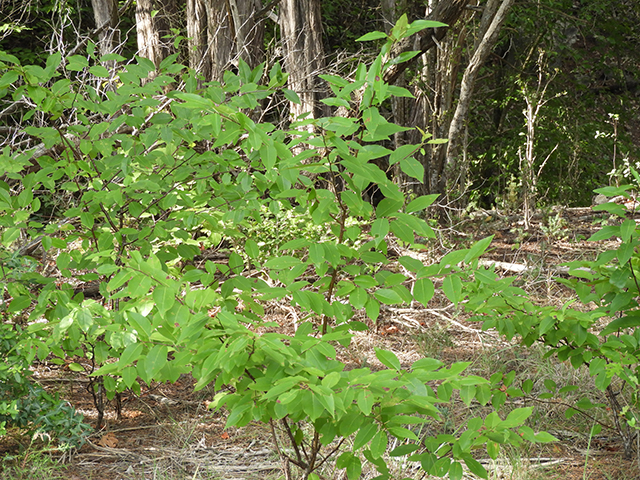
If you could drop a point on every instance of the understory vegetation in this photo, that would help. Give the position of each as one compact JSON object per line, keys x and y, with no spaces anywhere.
{"x":109,"y":233}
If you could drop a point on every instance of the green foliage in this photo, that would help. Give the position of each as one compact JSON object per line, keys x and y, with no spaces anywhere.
{"x":28,"y":406}
{"x":605,"y":339}
{"x":151,"y":171}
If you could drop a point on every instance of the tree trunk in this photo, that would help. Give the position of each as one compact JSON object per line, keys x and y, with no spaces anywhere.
{"x":431,"y":109}
{"x":492,"y":23}
{"x":432,"y":105}
{"x":445,"y":11}
{"x":152,"y":29}
{"x":235,"y":30}
{"x":199,"y":60}
{"x":105,"y":14}
{"x":301,"y":29}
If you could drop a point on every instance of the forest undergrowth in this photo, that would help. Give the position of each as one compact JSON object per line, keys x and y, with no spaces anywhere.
{"x":192,"y":291}
{"x":167,"y":431}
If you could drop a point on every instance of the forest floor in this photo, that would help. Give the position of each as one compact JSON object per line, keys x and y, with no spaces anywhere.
{"x":167,"y":433}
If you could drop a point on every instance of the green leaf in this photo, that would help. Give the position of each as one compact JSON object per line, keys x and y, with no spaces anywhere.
{"x":358,"y":298}
{"x":493,"y":450}
{"x":291,"y":96}
{"x":630,"y":321}
{"x":627,"y":229}
{"x":107,"y":269}
{"x":423,"y":290}
{"x":130,"y":355}
{"x":380,"y":228}
{"x":516,"y":417}
{"x":612,"y":208}
{"x":478,"y":249}
{"x":474,"y":466}
{"x":8,"y":78}
{"x":421,"y":203}
{"x":455,"y":471}
{"x":404,"y":450}
{"x":544,"y":437}
{"x":335,"y":80}
{"x":236,"y":263}
{"x":84,"y":318}
{"x":77,"y":63}
{"x":282,"y":262}
{"x":605,"y":233}
{"x":388,"y":296}
{"x":365,"y":434}
{"x":196,"y":102}
{"x":155,"y":360}
{"x":387,"y":207}
{"x":452,"y":288}
{"x":366,"y":281}
{"x":413,"y":168}
{"x":388,"y":359}
{"x":379,"y":444}
{"x":20,"y":303}
{"x":76,"y":367}
{"x":403,"y":231}
{"x":419,"y":25}
{"x":367,"y":37}
{"x":99,"y":71}
{"x":403,"y":57}
{"x":373,"y":309}
{"x":365,"y":401}
{"x":164,"y":299}
{"x":335,"y":102}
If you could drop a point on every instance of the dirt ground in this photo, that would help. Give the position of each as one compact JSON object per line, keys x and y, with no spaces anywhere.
{"x":168,"y":433}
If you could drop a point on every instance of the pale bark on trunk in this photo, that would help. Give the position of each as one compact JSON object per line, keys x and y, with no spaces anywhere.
{"x":431,"y":109}
{"x":488,"y":39}
{"x":443,"y":68}
{"x":105,"y":14}
{"x":304,"y":60}
{"x":199,"y":59}
{"x":152,"y":29}
{"x":234,"y":30}
{"x":249,"y":30}
{"x":220,"y":39}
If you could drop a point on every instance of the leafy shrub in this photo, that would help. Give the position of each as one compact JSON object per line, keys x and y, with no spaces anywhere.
{"x":604,"y":339}
{"x":28,"y":406}
{"x":149,"y":168}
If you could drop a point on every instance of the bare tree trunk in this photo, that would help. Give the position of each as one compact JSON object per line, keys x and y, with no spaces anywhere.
{"x":301,"y":27}
{"x":249,"y":31}
{"x":105,"y":14}
{"x":220,"y":37}
{"x":492,"y":22}
{"x":535,"y":100}
{"x":431,"y":109}
{"x":433,"y":105}
{"x":199,"y":59}
{"x":235,"y":30}
{"x":152,"y":29}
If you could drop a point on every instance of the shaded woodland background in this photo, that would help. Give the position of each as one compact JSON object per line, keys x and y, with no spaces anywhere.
{"x":537,"y":98}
